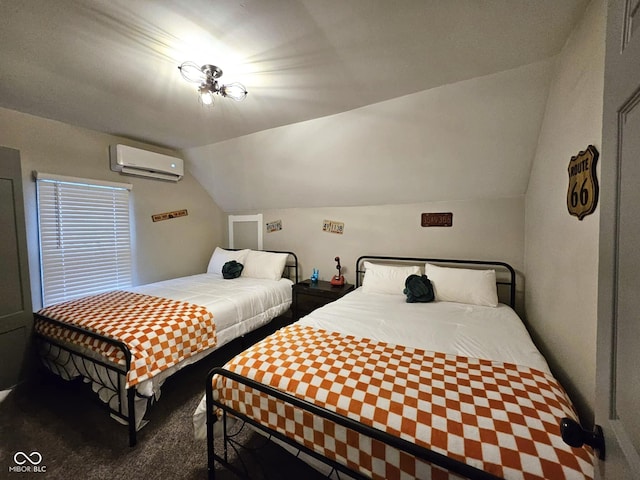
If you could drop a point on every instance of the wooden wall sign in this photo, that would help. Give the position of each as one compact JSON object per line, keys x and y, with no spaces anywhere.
{"x":166,"y":216}
{"x":437,"y":219}
{"x":582,"y":194}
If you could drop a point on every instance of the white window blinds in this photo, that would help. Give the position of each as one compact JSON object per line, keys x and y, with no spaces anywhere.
{"x":85,"y":237}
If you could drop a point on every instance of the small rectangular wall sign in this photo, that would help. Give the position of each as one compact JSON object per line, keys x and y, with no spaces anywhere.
{"x":274,"y":226}
{"x":166,"y":216}
{"x":437,"y":219}
{"x":333,"y":227}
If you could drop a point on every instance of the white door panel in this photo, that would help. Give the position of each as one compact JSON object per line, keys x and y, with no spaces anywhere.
{"x":618,"y":358}
{"x":16,"y":316}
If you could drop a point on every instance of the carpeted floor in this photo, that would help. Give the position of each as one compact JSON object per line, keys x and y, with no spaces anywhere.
{"x":77,"y":439}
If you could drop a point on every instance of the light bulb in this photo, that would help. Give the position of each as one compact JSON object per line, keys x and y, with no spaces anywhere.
{"x":206,"y":95}
{"x":192,"y":72}
{"x":235,"y":91}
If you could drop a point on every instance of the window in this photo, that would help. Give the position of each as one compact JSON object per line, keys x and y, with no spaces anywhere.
{"x":85,"y":237}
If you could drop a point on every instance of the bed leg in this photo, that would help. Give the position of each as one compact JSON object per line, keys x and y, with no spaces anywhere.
{"x":132,"y":416}
{"x":225,"y":436}
{"x":211,"y":419}
{"x":211,"y":461}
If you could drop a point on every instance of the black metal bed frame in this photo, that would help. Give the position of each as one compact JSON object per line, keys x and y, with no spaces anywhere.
{"x":75,"y":356}
{"x":419,"y":452}
{"x":115,"y":388}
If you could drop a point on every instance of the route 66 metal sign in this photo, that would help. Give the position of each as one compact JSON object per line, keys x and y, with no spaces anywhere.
{"x":582,"y":195}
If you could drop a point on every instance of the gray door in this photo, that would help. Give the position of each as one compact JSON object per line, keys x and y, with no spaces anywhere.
{"x":16,"y":317}
{"x":618,"y":358}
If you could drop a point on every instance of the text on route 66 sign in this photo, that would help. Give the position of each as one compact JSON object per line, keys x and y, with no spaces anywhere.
{"x":582,"y":195}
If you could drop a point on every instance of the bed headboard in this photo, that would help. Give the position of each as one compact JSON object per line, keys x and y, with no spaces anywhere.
{"x":291,"y":267}
{"x":505,"y":274}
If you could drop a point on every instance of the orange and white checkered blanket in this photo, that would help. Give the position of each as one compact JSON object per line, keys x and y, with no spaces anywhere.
{"x":158,"y":332}
{"x":498,"y":417}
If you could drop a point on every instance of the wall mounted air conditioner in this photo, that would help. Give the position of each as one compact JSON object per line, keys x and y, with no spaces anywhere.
{"x":134,"y":161}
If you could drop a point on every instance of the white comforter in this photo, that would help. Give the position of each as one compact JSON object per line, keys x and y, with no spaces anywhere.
{"x":238,"y":305}
{"x":492,"y":333}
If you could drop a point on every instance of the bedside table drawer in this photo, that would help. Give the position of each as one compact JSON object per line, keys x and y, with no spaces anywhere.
{"x":308,"y":303}
{"x":308,"y":296}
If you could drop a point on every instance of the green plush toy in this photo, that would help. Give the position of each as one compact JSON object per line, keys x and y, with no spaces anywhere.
{"x":418,"y":288}
{"x":232,"y":269}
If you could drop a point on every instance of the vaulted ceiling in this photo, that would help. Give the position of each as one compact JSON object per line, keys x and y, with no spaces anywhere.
{"x":112,"y":65}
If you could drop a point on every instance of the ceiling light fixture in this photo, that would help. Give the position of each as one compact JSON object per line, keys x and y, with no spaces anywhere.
{"x":207,"y":78}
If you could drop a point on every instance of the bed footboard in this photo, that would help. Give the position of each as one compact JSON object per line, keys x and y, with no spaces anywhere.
{"x":56,"y":355}
{"x":218,"y":411}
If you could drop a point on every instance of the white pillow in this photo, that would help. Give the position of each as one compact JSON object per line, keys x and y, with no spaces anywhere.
{"x":259,"y":264}
{"x":386,"y":278}
{"x":221,"y":256}
{"x":477,"y":287}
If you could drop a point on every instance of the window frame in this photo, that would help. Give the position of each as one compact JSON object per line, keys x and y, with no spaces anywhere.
{"x":76,"y":271}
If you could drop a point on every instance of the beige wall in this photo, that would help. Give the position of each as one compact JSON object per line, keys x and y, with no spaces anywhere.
{"x":469,"y":140}
{"x":485,"y":229}
{"x":561,"y":252}
{"x":161,"y":250}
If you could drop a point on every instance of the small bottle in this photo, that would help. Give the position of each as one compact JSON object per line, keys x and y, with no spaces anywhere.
{"x":314,"y":275}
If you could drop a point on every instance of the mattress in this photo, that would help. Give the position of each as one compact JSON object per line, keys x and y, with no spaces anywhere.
{"x":491,"y":333}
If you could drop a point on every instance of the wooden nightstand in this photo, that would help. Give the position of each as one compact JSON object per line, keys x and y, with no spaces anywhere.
{"x":308,"y":296}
